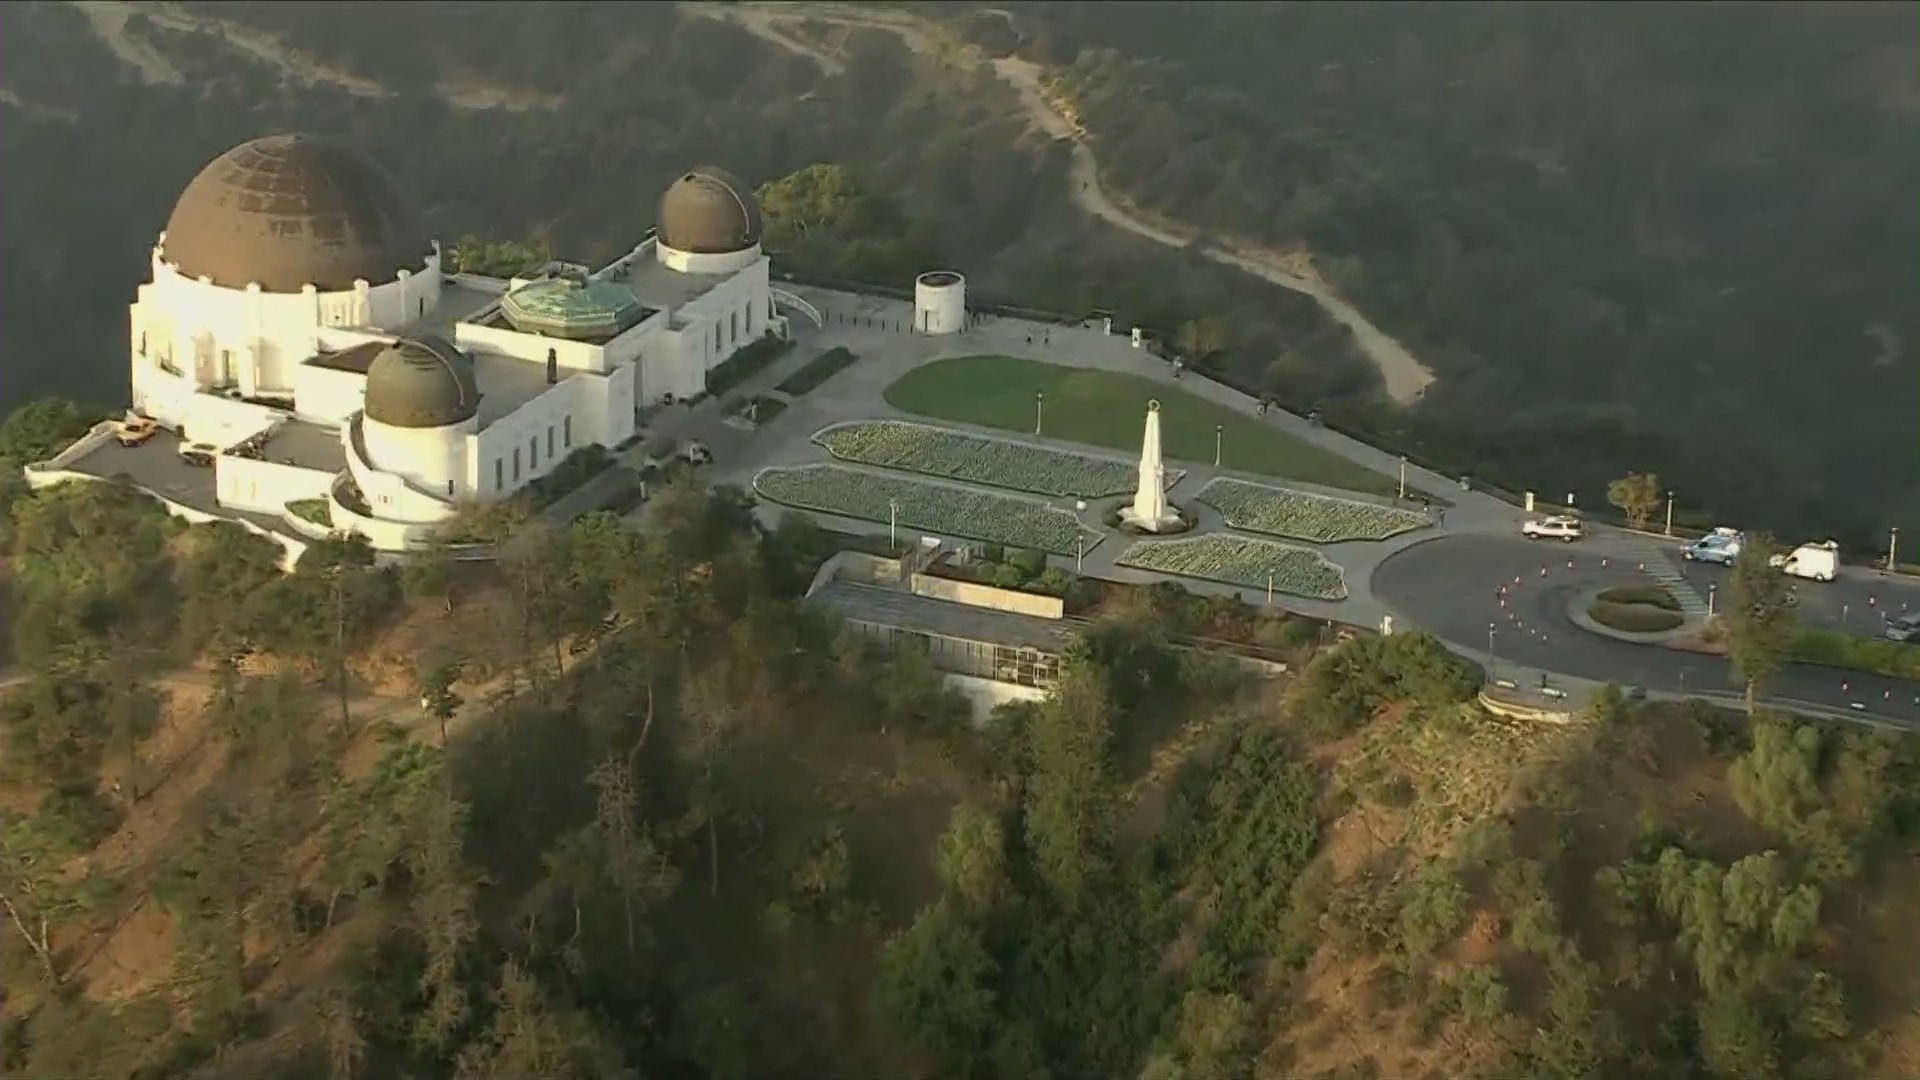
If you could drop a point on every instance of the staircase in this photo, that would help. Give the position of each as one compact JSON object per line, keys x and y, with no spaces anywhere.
{"x":1661,"y":567}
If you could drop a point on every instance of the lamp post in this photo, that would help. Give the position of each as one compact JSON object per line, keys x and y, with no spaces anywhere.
{"x":893,"y":522}
{"x":1039,"y":409}
{"x":1893,"y":546}
{"x":1490,"y":637}
{"x":1269,"y":588}
{"x":1219,"y":432}
{"x":1669,"y":513}
{"x":1403,"y":477}
{"x":1711,"y":589}
{"x":1079,"y":550}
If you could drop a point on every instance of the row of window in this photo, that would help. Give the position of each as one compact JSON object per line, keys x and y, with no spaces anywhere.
{"x":533,"y":454}
{"x":734,"y":330}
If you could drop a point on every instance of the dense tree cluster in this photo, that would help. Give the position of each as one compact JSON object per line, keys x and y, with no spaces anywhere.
{"x":1621,"y":240}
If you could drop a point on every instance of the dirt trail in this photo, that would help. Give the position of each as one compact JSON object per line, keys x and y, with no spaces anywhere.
{"x":1405,"y":377}
{"x":109,"y":18}
{"x":110,"y":22}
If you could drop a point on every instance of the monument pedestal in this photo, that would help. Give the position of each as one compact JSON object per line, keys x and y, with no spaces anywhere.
{"x":1150,"y":512}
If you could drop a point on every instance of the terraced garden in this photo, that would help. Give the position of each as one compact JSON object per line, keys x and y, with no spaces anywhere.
{"x":943,"y":509}
{"x":1301,"y":515}
{"x":979,"y":459}
{"x":1242,"y":560}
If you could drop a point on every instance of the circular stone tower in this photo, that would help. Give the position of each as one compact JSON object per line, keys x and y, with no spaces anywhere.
{"x":939,"y":303}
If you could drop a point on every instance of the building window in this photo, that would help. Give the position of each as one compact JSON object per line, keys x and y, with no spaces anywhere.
{"x":423,"y":307}
{"x":749,"y":308}
{"x":143,"y":343}
{"x":499,"y":473}
{"x":733,"y":327}
{"x":533,"y":451}
{"x":516,"y":464}
{"x":549,"y":442}
{"x":566,"y":431}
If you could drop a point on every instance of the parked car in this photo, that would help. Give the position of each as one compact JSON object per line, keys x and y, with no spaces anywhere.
{"x":1904,"y":627}
{"x":1722,"y":546}
{"x":1815,"y":562}
{"x":199,"y":453}
{"x":134,"y":430}
{"x":1558,"y":527}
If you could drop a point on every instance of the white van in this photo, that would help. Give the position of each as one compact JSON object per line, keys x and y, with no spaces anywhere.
{"x":1815,"y":562}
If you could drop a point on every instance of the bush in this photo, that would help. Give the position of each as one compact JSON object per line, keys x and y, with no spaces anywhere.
{"x":1876,"y":656}
{"x":1007,"y":576}
{"x":1634,"y":618}
{"x":817,"y":370}
{"x":1653,"y":595}
{"x":1028,"y":561}
{"x":746,"y":362}
{"x":1053,"y":581}
{"x":993,"y":553}
{"x":574,"y":470}
{"x":1345,"y":687}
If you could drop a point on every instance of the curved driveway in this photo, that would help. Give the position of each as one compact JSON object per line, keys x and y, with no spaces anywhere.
{"x":1451,"y":587}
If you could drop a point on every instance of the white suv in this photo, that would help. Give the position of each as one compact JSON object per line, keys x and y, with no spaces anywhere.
{"x":1552,"y":528}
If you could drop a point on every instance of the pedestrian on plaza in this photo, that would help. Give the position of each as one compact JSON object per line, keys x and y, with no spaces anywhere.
{"x":1441,"y":515}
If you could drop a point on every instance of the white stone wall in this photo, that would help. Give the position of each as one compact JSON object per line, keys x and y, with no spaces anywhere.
{"x":688,"y":262}
{"x":326,"y":396}
{"x":255,"y":340}
{"x":433,"y":459}
{"x":513,"y":451}
{"x":265,"y":486}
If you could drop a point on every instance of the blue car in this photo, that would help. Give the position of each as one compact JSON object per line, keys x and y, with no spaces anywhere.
{"x":1719,"y":546}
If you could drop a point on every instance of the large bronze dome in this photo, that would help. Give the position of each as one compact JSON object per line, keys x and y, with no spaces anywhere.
{"x":709,"y":212}
{"x":292,"y":210}
{"x":422,"y":381}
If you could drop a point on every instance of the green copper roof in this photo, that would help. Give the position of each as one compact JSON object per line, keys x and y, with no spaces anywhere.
{"x":566,"y":308}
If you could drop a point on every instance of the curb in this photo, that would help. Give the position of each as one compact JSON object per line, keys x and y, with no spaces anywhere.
{"x":1577,"y":614}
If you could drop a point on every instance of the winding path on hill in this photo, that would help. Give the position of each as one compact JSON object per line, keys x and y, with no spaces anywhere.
{"x":1404,"y":376}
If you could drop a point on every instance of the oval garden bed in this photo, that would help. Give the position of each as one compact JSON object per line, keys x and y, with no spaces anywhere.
{"x":1636,"y":609}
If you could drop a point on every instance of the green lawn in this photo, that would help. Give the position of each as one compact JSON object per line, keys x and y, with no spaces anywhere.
{"x":1105,"y":408}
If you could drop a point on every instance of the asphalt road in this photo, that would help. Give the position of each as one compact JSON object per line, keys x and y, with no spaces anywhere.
{"x":1452,"y":587}
{"x":1859,"y":602}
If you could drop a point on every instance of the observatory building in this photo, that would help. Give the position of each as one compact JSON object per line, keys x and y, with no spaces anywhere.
{"x":299,"y":332}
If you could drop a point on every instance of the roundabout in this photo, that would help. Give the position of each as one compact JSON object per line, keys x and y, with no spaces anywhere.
{"x":1514,"y":600}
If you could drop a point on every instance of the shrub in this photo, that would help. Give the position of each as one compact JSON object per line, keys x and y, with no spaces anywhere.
{"x":1029,"y":561}
{"x":1877,"y":656}
{"x":993,"y":553}
{"x":1345,"y":687}
{"x":1653,"y":595}
{"x":1007,"y":576}
{"x":745,"y":363}
{"x":1053,"y":581}
{"x":1634,"y":618}
{"x":575,"y":469}
{"x":817,"y":370}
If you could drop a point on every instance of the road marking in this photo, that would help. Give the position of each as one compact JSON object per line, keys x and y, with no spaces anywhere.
{"x":1659,"y":565}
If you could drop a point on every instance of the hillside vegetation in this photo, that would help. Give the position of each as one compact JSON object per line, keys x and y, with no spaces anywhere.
{"x":620,"y":807}
{"x":1675,"y":238}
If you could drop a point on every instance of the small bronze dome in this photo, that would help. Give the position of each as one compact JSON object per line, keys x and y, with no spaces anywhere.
{"x":286,"y":211}
{"x":709,"y":212}
{"x":422,"y":382}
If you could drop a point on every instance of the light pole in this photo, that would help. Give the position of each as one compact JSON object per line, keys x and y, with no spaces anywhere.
{"x":1403,"y":477}
{"x":1219,"y":432}
{"x":1669,"y":513}
{"x":1039,"y":409}
{"x":1269,"y":588}
{"x":1079,"y":550}
{"x":1893,"y":546}
{"x":1490,"y":637}
{"x":893,"y":522}
{"x":1711,"y":589}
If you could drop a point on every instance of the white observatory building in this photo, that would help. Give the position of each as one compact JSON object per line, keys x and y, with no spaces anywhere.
{"x":299,"y":331}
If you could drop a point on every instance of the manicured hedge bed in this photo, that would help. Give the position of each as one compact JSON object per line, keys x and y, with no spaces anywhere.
{"x":1634,"y":618}
{"x":1651,"y":595}
{"x":817,"y":370}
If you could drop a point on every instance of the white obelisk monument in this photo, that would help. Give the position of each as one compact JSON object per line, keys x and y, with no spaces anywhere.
{"x":1149,"y":510}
